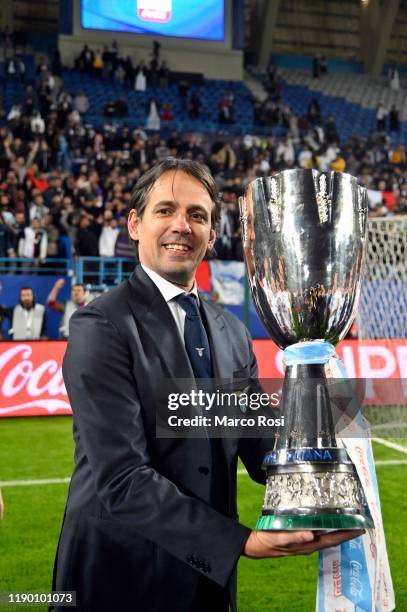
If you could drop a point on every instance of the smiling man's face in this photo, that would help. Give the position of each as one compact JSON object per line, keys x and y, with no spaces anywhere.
{"x":174,"y":231}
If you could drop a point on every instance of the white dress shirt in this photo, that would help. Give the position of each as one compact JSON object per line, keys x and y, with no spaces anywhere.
{"x":169,"y":291}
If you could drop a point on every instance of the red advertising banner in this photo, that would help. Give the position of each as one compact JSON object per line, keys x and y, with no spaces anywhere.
{"x":362,"y":358}
{"x":31,"y":382}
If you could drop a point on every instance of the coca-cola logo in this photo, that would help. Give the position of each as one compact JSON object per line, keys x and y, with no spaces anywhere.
{"x":31,"y":379}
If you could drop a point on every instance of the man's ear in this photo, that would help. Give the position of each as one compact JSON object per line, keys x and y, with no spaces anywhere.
{"x":212,"y":238}
{"x":133,"y":224}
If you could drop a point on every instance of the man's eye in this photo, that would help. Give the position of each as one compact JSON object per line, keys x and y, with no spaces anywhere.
{"x":164,"y":211}
{"x":197,"y":216}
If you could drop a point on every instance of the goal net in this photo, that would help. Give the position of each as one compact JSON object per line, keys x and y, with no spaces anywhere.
{"x":383,"y":310}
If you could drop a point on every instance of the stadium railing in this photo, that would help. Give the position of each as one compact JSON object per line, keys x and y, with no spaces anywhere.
{"x":102,"y":273}
{"x":24,"y":265}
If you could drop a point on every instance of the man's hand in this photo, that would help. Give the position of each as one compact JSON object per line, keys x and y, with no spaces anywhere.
{"x":54,"y":291}
{"x":262,"y":544}
{"x":59,"y":284}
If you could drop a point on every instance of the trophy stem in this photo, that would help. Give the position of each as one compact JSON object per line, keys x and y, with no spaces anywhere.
{"x":306,"y":408}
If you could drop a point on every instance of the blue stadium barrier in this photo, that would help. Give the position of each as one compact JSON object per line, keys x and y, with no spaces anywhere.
{"x":24,"y":265}
{"x":102,"y":273}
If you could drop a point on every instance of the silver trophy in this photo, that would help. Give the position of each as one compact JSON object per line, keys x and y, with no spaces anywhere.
{"x":303,"y":237}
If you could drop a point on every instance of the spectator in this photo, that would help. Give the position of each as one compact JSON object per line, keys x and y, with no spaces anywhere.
{"x":120,"y":108}
{"x":140,"y":82}
{"x":52,"y":236}
{"x":37,"y":123}
{"x":394,"y":121}
{"x":86,"y":59}
{"x":162,"y":151}
{"x":314,"y":112}
{"x":11,"y":68}
{"x":37,"y":208}
{"x":338,"y":164}
{"x":128,"y":72}
{"x":87,"y":237}
{"x":5,"y":211}
{"x":305,"y":158}
{"x":108,"y":235}
{"x":15,"y":233}
{"x":163,"y":74}
{"x":316,"y":67}
{"x":323,"y":65}
{"x":14,"y":113}
{"x":43,"y":158}
{"x":119,"y":73}
{"x":398,"y":155}
{"x":166,"y":113}
{"x":226,"y":109}
{"x":285,"y":153}
{"x":195,"y":106}
{"x":331,"y":132}
{"x":226,"y":157}
{"x":183,"y":88}
{"x":223,"y":244}
{"x":109,"y":109}
{"x":153,"y":118}
{"x":79,"y":298}
{"x":34,"y":243}
{"x":28,"y":319}
{"x":98,"y":63}
{"x":381,"y":114}
{"x":53,"y":189}
{"x":394,"y":78}
{"x":124,"y":247}
{"x":113,"y":51}
{"x":81,"y":103}
{"x":4,"y":237}
{"x":327,"y":156}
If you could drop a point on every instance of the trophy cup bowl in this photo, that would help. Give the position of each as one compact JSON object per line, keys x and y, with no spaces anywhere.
{"x":303,"y":237}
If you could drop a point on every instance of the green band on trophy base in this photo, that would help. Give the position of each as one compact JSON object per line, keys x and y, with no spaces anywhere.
{"x":315,"y":521}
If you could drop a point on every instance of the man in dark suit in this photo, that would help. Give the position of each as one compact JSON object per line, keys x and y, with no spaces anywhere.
{"x":151,"y":523}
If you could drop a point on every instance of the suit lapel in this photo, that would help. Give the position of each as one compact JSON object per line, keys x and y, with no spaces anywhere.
{"x":218,"y":340}
{"x":151,"y":310}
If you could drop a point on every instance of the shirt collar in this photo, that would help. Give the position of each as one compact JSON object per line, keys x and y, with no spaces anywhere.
{"x":168,"y":290}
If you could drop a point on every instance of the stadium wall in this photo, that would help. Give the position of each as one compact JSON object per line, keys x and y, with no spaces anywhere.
{"x":31,"y":382}
{"x":215,"y":60}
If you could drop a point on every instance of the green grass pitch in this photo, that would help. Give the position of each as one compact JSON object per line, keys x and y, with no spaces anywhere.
{"x":42,"y":448}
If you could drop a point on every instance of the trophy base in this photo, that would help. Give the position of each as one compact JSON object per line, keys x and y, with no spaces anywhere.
{"x":313,"y":488}
{"x":325,"y":522}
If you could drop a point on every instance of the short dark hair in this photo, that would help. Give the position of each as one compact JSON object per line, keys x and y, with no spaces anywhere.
{"x":145,"y":183}
{"x":79,"y":285}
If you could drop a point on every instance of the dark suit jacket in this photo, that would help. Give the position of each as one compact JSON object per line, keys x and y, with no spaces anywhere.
{"x":139,"y":531}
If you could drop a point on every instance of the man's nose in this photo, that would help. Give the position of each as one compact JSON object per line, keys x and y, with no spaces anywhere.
{"x":181,"y":223}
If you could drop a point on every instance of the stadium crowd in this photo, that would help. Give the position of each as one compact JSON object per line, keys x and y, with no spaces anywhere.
{"x":60,"y":176}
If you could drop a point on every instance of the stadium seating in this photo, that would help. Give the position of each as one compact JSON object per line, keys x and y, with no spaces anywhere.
{"x":350,"y":99}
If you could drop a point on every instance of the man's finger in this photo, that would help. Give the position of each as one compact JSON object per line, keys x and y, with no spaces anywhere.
{"x":286,"y":539}
{"x":327,"y":540}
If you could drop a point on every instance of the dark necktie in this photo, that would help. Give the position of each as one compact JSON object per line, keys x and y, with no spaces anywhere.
{"x":197,"y":347}
{"x":195,"y":336}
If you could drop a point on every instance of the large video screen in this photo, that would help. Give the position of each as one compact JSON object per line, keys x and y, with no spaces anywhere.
{"x":204,"y":19}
